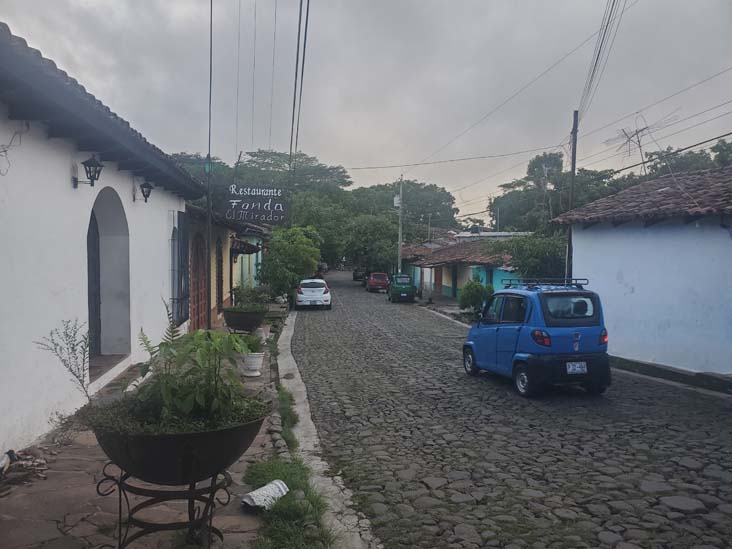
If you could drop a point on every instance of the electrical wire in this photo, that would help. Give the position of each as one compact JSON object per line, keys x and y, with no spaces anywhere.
{"x":294,"y":91}
{"x":603,"y":151}
{"x":254,"y":70}
{"x":661,"y":157}
{"x":662,"y":100}
{"x":302,"y":73}
{"x":238,"y":80}
{"x":271,"y":87}
{"x":604,"y":65}
{"x":450,"y":160}
{"x":663,"y":137}
{"x":516,"y":93}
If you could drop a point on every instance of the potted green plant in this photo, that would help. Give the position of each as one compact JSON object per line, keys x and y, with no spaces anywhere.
{"x":189,"y":419}
{"x":253,"y":360}
{"x":249,"y":310}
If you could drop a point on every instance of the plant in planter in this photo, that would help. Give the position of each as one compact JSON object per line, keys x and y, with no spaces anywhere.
{"x":191,"y":418}
{"x":250,"y":308}
{"x":253,"y":360}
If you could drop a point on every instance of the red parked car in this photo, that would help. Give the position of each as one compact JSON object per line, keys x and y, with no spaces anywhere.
{"x":377,"y":282}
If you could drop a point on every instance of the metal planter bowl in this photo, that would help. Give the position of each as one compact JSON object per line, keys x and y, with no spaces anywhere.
{"x":243,"y":321}
{"x":179,"y":459}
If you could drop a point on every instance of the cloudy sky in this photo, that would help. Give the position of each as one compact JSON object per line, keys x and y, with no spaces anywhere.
{"x":392,"y":81}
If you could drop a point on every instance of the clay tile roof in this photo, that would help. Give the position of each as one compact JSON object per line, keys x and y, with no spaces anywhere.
{"x":37,"y":87}
{"x":470,"y":253}
{"x":687,"y":194}
{"x":415,"y":251}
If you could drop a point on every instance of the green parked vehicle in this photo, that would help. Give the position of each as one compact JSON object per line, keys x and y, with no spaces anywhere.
{"x":401,"y":288}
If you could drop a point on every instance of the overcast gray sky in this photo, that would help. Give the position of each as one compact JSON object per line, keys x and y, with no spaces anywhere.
{"x":391,"y":81}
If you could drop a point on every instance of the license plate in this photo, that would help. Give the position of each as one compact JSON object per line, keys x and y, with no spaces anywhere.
{"x":313,"y":303}
{"x":403,"y":295}
{"x":576,"y":367}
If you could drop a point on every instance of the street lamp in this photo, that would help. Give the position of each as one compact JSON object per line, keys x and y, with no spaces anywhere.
{"x":146,"y":189}
{"x":92,"y":168}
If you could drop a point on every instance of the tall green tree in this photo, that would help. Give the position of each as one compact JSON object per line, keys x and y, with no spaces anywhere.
{"x":292,"y":254}
{"x":372,"y":242}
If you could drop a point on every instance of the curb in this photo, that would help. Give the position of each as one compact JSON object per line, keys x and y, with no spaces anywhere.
{"x":352,"y":528}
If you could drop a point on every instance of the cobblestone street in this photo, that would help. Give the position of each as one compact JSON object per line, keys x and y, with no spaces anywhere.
{"x":440,"y":459}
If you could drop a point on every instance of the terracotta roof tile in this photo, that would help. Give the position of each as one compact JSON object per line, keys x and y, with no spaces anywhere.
{"x":688,"y":194}
{"x":471,"y":253}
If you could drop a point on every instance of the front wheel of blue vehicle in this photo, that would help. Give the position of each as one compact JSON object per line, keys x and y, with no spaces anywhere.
{"x":523,"y":382}
{"x":469,"y":363}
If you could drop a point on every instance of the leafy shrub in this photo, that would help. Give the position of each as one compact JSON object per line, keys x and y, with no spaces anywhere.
{"x":253,"y":343}
{"x":474,"y":294}
{"x":244,"y":295}
{"x":190,"y":388}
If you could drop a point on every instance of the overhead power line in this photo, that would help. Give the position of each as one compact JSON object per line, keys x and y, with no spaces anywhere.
{"x":662,"y":100}
{"x":450,"y":160}
{"x":687,"y":128}
{"x":302,"y":74}
{"x":271,"y":87}
{"x":609,"y":26}
{"x":673,"y":153}
{"x":238,"y":81}
{"x":473,"y":213}
{"x":254,"y":69}
{"x":294,"y":91}
{"x":516,"y":93}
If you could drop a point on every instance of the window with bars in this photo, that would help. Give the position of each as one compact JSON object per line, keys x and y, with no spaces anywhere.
{"x":179,"y":292}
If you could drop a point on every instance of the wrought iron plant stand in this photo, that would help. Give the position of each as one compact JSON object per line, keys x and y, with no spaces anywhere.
{"x":201,"y":502}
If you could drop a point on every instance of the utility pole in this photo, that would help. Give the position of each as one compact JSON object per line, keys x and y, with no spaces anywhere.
{"x":568,"y":261}
{"x":401,"y":209}
{"x":208,"y":171}
{"x":429,"y":227}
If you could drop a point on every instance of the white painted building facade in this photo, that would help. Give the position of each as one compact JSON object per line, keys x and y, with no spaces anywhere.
{"x":663,"y":269}
{"x":49,"y":228}
{"x":666,"y":290}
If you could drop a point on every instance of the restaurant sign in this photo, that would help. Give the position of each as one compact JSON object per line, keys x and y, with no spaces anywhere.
{"x":255,"y":204}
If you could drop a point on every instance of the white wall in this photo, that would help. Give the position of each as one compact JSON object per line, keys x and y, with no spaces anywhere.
{"x":666,"y":290}
{"x":43,"y":280}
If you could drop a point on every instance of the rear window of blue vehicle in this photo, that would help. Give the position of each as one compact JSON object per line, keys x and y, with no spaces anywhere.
{"x":402,"y":280}
{"x":570,"y":308}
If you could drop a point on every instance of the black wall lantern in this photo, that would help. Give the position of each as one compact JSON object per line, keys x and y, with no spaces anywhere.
{"x":93,"y":168}
{"x":146,"y":189}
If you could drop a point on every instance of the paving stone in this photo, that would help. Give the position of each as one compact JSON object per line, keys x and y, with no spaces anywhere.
{"x":434,"y":482}
{"x":467,"y":532}
{"x":654,"y":487}
{"x":389,"y":396}
{"x":609,"y":538}
{"x":683,"y":504}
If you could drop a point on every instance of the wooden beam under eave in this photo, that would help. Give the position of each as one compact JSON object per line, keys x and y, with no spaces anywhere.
{"x":131,"y":166}
{"x":623,"y":222}
{"x":590,"y":224}
{"x":650,"y":222}
{"x":692,"y":218}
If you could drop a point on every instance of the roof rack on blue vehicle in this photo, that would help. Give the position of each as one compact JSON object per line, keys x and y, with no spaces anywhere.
{"x":533,"y":282}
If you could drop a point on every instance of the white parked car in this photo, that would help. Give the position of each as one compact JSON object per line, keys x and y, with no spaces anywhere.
{"x":313,"y":292}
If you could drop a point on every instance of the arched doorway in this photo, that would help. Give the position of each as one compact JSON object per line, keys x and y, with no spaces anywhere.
{"x":198,"y":283}
{"x":108,"y":270}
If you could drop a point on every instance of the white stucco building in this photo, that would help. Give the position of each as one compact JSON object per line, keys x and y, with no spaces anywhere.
{"x":660,"y":256}
{"x":101,"y":254}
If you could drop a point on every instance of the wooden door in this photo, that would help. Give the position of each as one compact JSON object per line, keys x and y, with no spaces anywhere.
{"x":94,"y":288}
{"x":438,"y":279}
{"x":198,"y":284}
